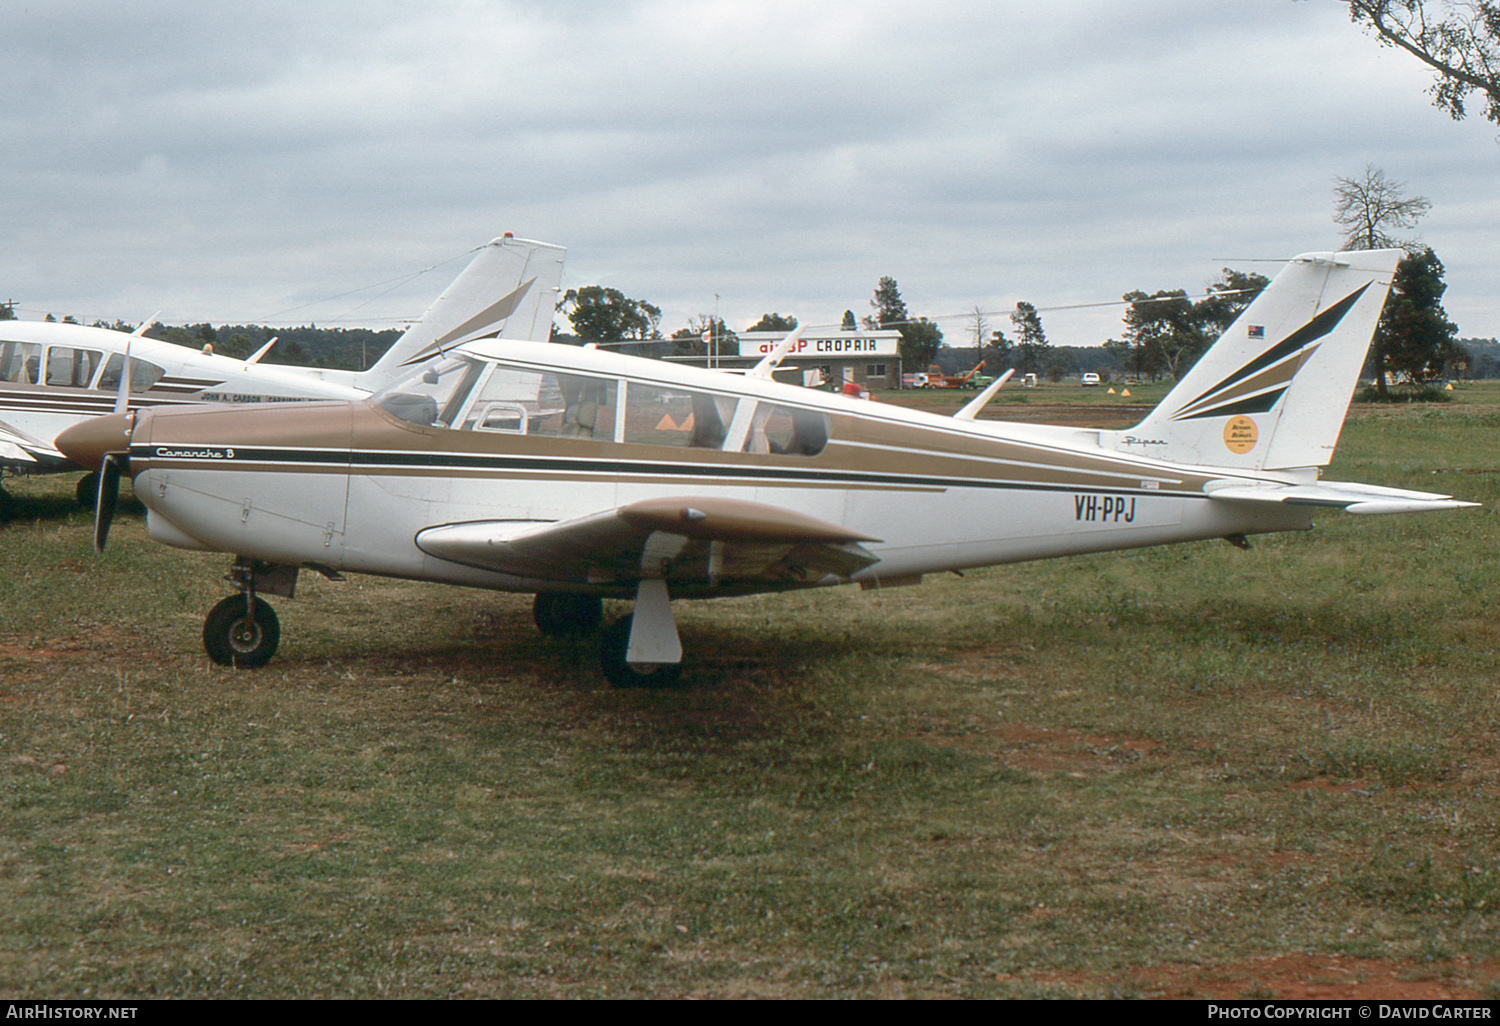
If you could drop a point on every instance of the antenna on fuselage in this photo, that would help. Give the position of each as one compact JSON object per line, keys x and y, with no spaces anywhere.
{"x":263,"y":350}
{"x":145,"y":326}
{"x":971,"y":410}
{"x":772,"y":360}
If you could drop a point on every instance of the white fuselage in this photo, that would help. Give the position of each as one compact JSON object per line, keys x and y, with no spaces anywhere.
{"x":351,"y":487}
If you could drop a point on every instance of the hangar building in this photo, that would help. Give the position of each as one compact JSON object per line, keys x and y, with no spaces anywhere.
{"x":868,"y":358}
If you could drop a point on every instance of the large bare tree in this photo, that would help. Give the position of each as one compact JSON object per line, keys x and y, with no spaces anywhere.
{"x":1368,"y":208}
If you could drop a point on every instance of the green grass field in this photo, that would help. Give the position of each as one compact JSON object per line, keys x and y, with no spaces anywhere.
{"x":1186,"y":771}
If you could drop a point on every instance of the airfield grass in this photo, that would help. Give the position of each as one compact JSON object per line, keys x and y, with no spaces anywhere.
{"x":1184,"y":771}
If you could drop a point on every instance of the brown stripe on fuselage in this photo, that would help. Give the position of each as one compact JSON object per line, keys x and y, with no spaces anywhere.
{"x":930,"y":457}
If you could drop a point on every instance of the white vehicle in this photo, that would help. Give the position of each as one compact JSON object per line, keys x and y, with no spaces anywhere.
{"x":1089,"y":379}
{"x":54,"y":375}
{"x":579,"y":474}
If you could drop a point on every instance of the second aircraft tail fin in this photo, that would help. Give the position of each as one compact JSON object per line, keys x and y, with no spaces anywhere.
{"x":509,"y":290}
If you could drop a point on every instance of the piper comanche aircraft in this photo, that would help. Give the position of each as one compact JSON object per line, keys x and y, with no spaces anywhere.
{"x":54,"y":375}
{"x":580,"y":474}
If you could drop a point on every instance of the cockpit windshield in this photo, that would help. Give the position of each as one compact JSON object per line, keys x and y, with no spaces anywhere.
{"x":433,"y":396}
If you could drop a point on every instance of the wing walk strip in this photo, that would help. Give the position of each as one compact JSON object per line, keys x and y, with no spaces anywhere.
{"x":237,"y":457}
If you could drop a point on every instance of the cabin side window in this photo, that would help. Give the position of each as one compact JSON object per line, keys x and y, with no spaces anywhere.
{"x":656,"y":415}
{"x":72,"y":368}
{"x":786,"y":430}
{"x":521,"y":401}
{"x":20,"y":362}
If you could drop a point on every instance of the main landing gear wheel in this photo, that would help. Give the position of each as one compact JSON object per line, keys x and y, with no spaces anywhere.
{"x":567,"y":614}
{"x":627,"y":675}
{"x":236,"y":639}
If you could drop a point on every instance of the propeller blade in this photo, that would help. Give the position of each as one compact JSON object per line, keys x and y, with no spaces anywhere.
{"x":122,"y":396}
{"x":109,"y":494}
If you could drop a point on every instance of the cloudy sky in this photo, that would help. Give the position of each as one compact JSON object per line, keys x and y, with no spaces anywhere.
{"x":294,"y":161}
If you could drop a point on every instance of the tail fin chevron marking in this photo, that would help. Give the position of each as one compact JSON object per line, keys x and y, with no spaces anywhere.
{"x":1280,"y":364}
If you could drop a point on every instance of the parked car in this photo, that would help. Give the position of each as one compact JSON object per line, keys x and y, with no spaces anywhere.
{"x":1090,"y":379}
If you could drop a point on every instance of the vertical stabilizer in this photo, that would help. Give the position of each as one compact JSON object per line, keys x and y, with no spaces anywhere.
{"x":509,"y":290}
{"x":1272,"y":392}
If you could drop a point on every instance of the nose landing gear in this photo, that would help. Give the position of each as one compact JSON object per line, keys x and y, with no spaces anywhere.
{"x":242,"y":632}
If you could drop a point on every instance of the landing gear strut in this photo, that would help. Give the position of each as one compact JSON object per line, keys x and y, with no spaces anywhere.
{"x":617,"y":671}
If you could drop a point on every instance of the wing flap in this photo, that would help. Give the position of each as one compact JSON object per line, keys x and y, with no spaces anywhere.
{"x":692,"y":539}
{"x":1348,"y":496}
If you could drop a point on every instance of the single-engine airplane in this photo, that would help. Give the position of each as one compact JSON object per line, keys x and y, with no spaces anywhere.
{"x":579,"y":474}
{"x":54,"y":375}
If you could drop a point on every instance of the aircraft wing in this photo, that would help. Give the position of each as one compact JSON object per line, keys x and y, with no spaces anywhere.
{"x":690,"y":540}
{"x":19,"y":448}
{"x":1350,"y":497}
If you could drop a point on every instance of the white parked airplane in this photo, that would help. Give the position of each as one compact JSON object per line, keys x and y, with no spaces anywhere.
{"x":579,"y":474}
{"x":54,"y":375}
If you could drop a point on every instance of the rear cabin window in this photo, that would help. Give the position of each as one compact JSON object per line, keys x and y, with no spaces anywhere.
{"x":655,"y":415}
{"x":142,"y":374}
{"x":786,"y":430}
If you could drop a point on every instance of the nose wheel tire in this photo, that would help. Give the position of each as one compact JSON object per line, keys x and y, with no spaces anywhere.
{"x":234,"y":637}
{"x":621,"y":674}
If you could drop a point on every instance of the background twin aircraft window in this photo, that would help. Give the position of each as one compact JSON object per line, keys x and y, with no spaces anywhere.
{"x":67,"y":367}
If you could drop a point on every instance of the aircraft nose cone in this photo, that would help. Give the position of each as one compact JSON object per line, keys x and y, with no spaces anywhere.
{"x":85,"y":443}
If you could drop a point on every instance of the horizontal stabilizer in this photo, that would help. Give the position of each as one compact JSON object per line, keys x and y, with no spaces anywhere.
{"x":1350,"y":497}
